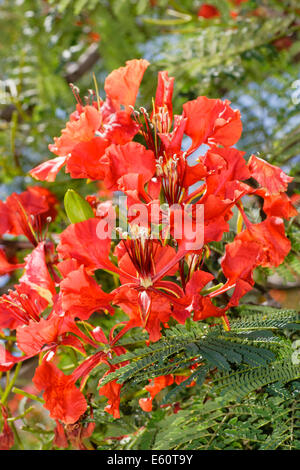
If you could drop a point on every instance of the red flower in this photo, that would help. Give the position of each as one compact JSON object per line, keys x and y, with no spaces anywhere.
{"x":7,"y":360}
{"x":278,"y":205}
{"x":270,"y":236}
{"x":94,"y":37}
{"x":76,"y":242}
{"x":122,"y":85}
{"x":283,"y":43}
{"x":6,"y":266}
{"x":157,"y":384}
{"x":270,"y":177}
{"x":201,"y":306}
{"x":211,"y":121}
{"x":127,"y":159}
{"x":112,"y":391}
{"x":94,"y":127}
{"x":64,"y":401}
{"x":82,"y":296}
{"x":163,"y":108}
{"x":144,"y":296}
{"x":208,"y":11}
{"x":6,"y":436}
{"x":27,"y":212}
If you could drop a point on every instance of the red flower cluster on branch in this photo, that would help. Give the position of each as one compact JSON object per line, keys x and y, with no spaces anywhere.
{"x":157,"y":280}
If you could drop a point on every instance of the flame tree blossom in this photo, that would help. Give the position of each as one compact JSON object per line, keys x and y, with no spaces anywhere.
{"x":153,"y":281}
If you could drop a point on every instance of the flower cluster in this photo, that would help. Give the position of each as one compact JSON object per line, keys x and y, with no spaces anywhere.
{"x":157,"y":280}
{"x":209,"y":11}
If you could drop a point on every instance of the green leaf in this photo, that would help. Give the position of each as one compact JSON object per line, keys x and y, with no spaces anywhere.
{"x":77,"y":208}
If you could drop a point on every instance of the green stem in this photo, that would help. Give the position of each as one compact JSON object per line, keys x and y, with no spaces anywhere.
{"x":20,"y":444}
{"x":11,"y":383}
{"x":211,"y":289}
{"x":15,"y":418}
{"x":19,"y":391}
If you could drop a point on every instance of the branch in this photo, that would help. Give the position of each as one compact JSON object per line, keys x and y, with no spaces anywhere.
{"x":86,"y":62}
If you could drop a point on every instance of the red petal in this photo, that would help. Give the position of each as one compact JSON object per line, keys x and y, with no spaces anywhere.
{"x":5,"y":222}
{"x":7,"y":435}
{"x":198,"y":281}
{"x":36,"y":273}
{"x":164,"y":92}
{"x":84,"y":161}
{"x":270,"y":177}
{"x":270,"y":235}
{"x":5,"y":265}
{"x":82,"y":296}
{"x":228,"y":162}
{"x":129,"y":158}
{"x":119,"y":128}
{"x":64,"y":401}
{"x":278,"y":205}
{"x":211,"y":121}
{"x":47,"y":171}
{"x":77,"y":130}
{"x":112,"y":391}
{"x":60,"y":439}
{"x":76,"y":242}
{"x":32,"y":337}
{"x":241,"y":257}
{"x":7,"y":360}
{"x":208,"y":11}
{"x":157,"y":384}
{"x":122,"y":85}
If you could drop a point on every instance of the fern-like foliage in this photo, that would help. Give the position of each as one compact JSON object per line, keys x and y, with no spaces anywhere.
{"x":265,"y":424}
{"x":248,"y":356}
{"x":214,"y":51}
{"x":245,"y":394}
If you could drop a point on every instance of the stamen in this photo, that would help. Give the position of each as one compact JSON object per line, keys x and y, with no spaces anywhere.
{"x":140,"y":249}
{"x":76,"y":91}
